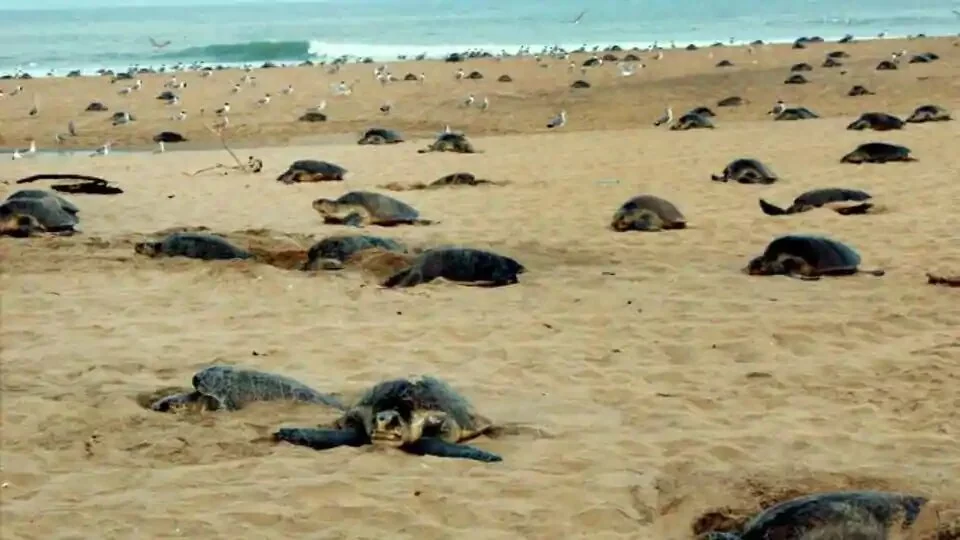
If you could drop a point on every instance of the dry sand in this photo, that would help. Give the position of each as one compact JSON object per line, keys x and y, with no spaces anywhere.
{"x":666,"y":383}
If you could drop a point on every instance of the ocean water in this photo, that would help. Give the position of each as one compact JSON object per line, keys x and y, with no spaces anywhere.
{"x":42,"y":35}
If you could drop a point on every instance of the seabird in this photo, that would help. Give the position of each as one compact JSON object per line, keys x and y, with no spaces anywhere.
{"x":16,"y":155}
{"x":778,"y":107}
{"x":72,"y":128}
{"x":559,"y":120}
{"x":264,"y":100}
{"x":460,"y":75}
{"x":161,"y":148}
{"x":224,"y":110}
{"x":485,"y":104}
{"x":182,"y":115}
{"x":159,"y":45}
{"x":469,"y":101}
{"x":236,"y":89}
{"x":385,"y":108}
{"x":103,"y":150}
{"x":627,"y":70}
{"x":579,"y":17}
{"x":288,"y":90}
{"x":667,"y":118}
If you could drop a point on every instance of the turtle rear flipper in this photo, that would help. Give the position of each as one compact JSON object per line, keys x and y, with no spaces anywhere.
{"x":320,"y":439}
{"x":429,"y":446}
{"x":719,"y":177}
{"x":771,"y":210}
{"x":404,"y":278}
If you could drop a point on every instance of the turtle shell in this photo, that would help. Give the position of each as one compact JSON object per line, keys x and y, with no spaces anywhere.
{"x":381,"y":207}
{"x":824,"y":254}
{"x":664,"y":209}
{"x":314,"y":166}
{"x":820,"y":197}
{"x":739,"y":166}
{"x":342,"y":246}
{"x":389,"y":136}
{"x":46,"y":210}
{"x":39,"y":194}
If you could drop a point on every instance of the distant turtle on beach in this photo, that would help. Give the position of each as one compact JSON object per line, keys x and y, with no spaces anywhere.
{"x":331,"y":252}
{"x":886,"y":65}
{"x":192,"y":245}
{"x":702,"y":111}
{"x":796,"y":78}
{"x":30,"y":211}
{"x":96,"y":106}
{"x":423,"y":416}
{"x":831,"y":63}
{"x":580,"y":83}
{"x":923,"y":58}
{"x":877,"y":152}
{"x":876,"y":121}
{"x":380,"y":136}
{"x":169,"y":137}
{"x":859,"y":90}
{"x":359,"y":208}
{"x":691,"y":121}
{"x":840,"y":515}
{"x":230,"y":388}
{"x":464,"y":265}
{"x":949,"y":281}
{"x":450,"y":142}
{"x":746,"y":171}
{"x":732,"y":101}
{"x":453,"y":179}
{"x":647,"y":213}
{"x":807,"y":257}
{"x":311,"y":170}
{"x":796,"y":68}
{"x":795,"y":113}
{"x":841,"y":200}
{"x":929,"y":113}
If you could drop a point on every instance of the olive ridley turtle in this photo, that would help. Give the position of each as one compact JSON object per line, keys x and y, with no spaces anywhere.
{"x":647,"y":213}
{"x":746,"y":171}
{"x":464,"y":265}
{"x":193,"y":245}
{"x":311,"y":170}
{"x":358,"y":208}
{"x":807,"y":257}
{"x":841,"y":200}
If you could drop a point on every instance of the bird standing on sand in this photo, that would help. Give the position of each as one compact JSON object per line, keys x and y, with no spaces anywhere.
{"x":16,"y":155}
{"x":224,"y":110}
{"x":778,"y":108}
{"x":422,"y":78}
{"x":485,"y":104}
{"x":627,"y":70}
{"x":182,"y":115}
{"x":236,"y":89}
{"x":460,"y":75}
{"x":103,"y":150}
{"x":264,"y":100}
{"x":288,"y":90}
{"x":385,"y":108}
{"x":33,"y":147}
{"x":161,"y":148}
{"x":558,"y":121}
{"x":469,"y":101}
{"x":667,"y":118}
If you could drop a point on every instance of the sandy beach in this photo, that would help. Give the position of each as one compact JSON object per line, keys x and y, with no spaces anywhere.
{"x":665,"y":383}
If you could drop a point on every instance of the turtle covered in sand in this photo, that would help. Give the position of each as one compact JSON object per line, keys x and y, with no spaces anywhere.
{"x":193,"y":245}
{"x":877,"y":152}
{"x":311,"y":170}
{"x":807,"y":257}
{"x":463,"y":265}
{"x":230,"y":388}
{"x":450,"y":142}
{"x":25,"y":210}
{"x":380,"y":136}
{"x":929,"y":113}
{"x":692,"y":121}
{"x":843,"y":201}
{"x":647,"y":213}
{"x":331,"y":252}
{"x":359,"y":208}
{"x":453,"y":179}
{"x":876,"y":121}
{"x":422,"y":416}
{"x":746,"y":171}
{"x":840,"y":515}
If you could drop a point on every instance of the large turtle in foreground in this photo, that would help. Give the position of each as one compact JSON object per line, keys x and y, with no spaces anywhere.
{"x":841,"y":200}
{"x":331,"y":252}
{"x":311,"y":170}
{"x":876,"y":121}
{"x":422,"y":416}
{"x":33,"y":211}
{"x":929,"y":113}
{"x":842,"y":515}
{"x":807,"y":257}
{"x":359,"y":208}
{"x":380,"y":136}
{"x":746,"y":171}
{"x":878,"y":152}
{"x":647,"y":213}
{"x":450,"y":142}
{"x":231,"y":388}
{"x":692,"y":120}
{"x":193,"y":245}
{"x":464,"y":265}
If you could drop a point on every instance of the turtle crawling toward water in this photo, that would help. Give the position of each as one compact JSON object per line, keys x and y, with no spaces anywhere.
{"x":193,"y":245}
{"x":230,"y":388}
{"x":692,"y":120}
{"x":380,"y":136}
{"x":843,"y":201}
{"x":464,"y":265}
{"x":848,"y":515}
{"x":929,"y":113}
{"x":311,"y":170}
{"x":31,"y":211}
{"x":422,"y":416}
{"x":450,"y":142}
{"x":647,"y":213}
{"x":331,"y":252}
{"x":807,"y":257}
{"x":453,"y":179}
{"x":746,"y":171}
{"x":877,"y":152}
{"x":876,"y":121}
{"x":359,"y":208}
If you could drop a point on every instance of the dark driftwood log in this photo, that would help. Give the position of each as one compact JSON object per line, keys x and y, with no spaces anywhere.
{"x":88,"y":184}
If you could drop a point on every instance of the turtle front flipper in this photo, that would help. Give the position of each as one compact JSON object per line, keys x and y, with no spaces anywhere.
{"x":320,"y":439}
{"x":429,"y":446}
{"x":771,"y":210}
{"x":404,"y":278}
{"x":353,"y":219}
{"x":175,"y":401}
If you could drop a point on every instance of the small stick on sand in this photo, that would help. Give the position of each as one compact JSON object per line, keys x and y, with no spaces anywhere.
{"x":254,"y":165}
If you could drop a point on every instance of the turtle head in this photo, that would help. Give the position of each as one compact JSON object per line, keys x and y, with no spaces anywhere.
{"x":621,"y":221}
{"x":20,"y":226}
{"x":761,"y":266}
{"x":214,"y":381}
{"x":392,"y":428}
{"x":325,"y":206}
{"x":150,"y":249}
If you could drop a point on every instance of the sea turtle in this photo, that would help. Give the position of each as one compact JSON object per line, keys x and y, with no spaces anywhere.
{"x":923,"y":58}
{"x":807,"y":257}
{"x":886,"y":65}
{"x":380,"y":136}
{"x":230,"y":388}
{"x":796,"y":78}
{"x":702,"y":111}
{"x":732,"y":101}
{"x":877,"y":152}
{"x":20,"y":226}
{"x":691,"y":121}
{"x":331,"y":252}
{"x":949,"y":281}
{"x":795,"y":113}
{"x":53,"y":213}
{"x":464,"y":265}
{"x":647,"y":213}
{"x":746,"y":171}
{"x":358,"y":208}
{"x":831,"y":63}
{"x":422,"y":416}
{"x":841,"y":200}
{"x":929,"y":113}
{"x":803,"y":66}
{"x":859,"y":90}
{"x":311,"y":170}
{"x":194,"y":245}
{"x":849,"y":515}
{"x":452,"y":179}
{"x":838,"y":54}
{"x":876,"y":121}
{"x":169,"y":137}
{"x":450,"y":142}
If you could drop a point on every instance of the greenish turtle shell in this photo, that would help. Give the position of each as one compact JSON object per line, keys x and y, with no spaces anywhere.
{"x":193,"y":245}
